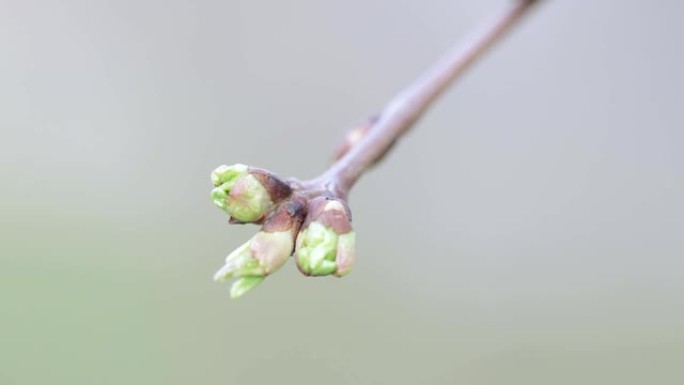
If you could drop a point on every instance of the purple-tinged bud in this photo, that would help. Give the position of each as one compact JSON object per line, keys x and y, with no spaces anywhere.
{"x":266,"y":252}
{"x":353,"y":136}
{"x":247,"y":194}
{"x":257,"y":258}
{"x":326,"y":243}
{"x":248,"y":200}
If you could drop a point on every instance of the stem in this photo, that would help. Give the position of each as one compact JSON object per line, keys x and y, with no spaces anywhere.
{"x":407,"y":107}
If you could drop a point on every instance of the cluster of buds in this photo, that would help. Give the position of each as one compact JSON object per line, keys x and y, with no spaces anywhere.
{"x":317,"y":230}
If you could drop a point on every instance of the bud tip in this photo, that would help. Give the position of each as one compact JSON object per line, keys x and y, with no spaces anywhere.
{"x":244,"y":285}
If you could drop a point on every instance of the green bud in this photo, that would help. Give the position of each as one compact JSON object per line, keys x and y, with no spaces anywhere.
{"x":248,"y":199}
{"x":244,"y":285}
{"x":228,"y":174}
{"x":219,"y":196}
{"x":224,"y":178}
{"x":326,"y":245}
{"x":325,"y":267}
{"x":239,"y":263}
{"x":265,"y":253}
{"x":318,"y":244}
{"x":247,"y":194}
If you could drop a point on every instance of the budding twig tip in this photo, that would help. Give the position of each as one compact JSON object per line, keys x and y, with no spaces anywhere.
{"x":313,"y":214}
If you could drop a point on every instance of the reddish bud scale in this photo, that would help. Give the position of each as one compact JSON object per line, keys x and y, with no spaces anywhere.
{"x":276,"y":187}
{"x":288,"y":216}
{"x":339,"y":221}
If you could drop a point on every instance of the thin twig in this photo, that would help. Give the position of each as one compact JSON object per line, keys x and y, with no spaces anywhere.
{"x":407,"y":107}
{"x":312,"y":219}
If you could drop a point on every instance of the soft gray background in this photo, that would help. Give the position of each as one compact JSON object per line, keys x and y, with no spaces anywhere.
{"x":527,"y":231}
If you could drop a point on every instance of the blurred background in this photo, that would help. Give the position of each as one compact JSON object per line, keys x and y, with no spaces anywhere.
{"x":529,"y":230}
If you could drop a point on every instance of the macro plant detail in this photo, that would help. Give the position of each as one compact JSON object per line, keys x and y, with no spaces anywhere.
{"x":311,"y":219}
{"x":326,"y":243}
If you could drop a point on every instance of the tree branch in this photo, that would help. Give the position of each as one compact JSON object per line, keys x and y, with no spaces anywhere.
{"x":408,"y":106}
{"x":312,"y":219}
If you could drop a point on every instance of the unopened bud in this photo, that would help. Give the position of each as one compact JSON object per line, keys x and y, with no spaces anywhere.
{"x":266,"y":252}
{"x":326,"y":244}
{"x":247,"y":194}
{"x":353,"y":136}
{"x":248,"y":200}
{"x":243,"y":285}
{"x":228,"y":174}
{"x":257,"y":258}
